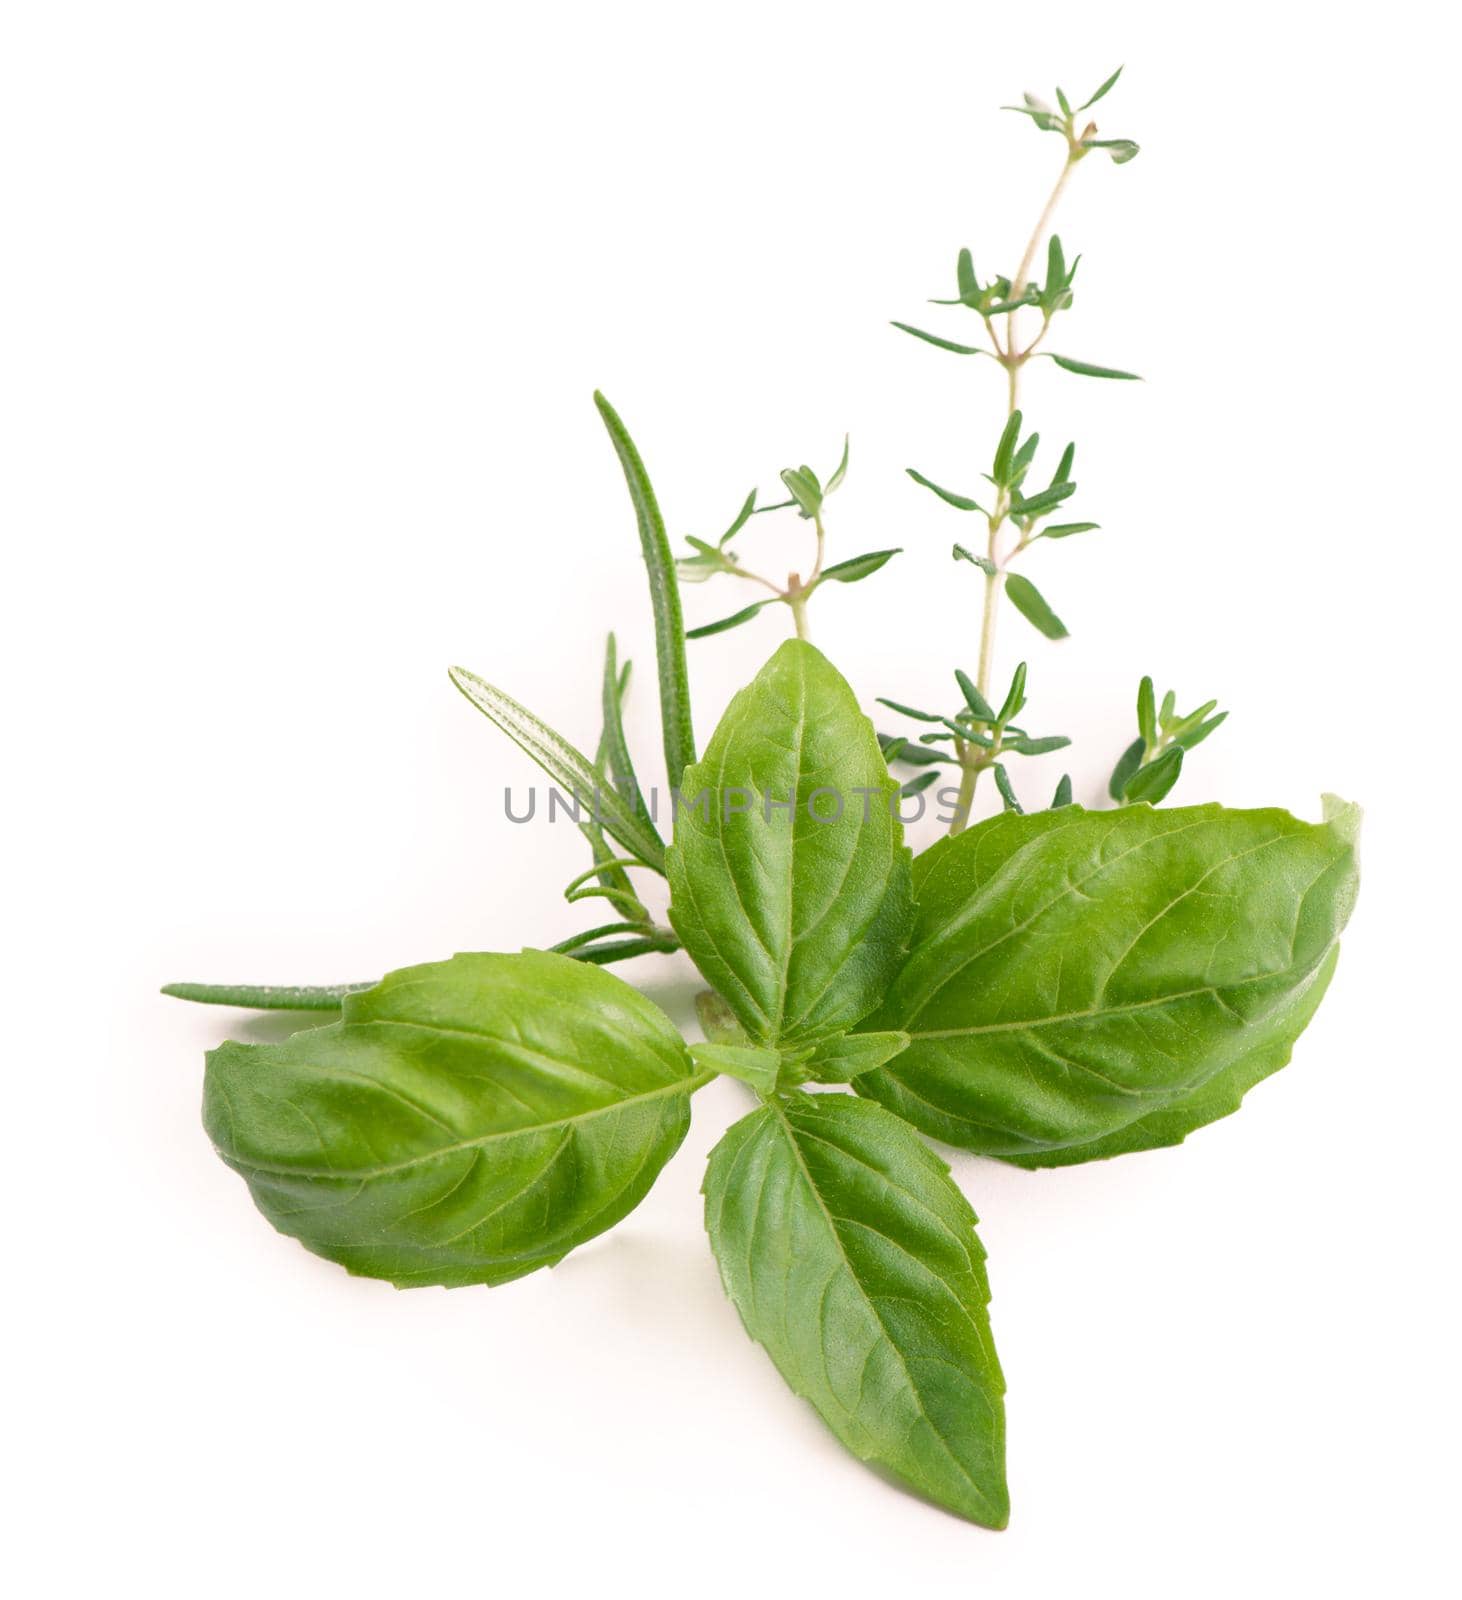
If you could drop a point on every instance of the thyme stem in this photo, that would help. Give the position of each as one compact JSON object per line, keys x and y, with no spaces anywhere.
{"x":753,"y":577}
{"x":821,"y":542}
{"x":1012,"y":358}
{"x":1022,"y":275}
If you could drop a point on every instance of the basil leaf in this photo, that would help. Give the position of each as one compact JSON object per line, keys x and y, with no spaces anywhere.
{"x":464,"y":1122}
{"x":1072,"y":972}
{"x":856,"y":567}
{"x":735,"y":620}
{"x":1086,"y":370}
{"x":567,"y":766}
{"x":1031,"y":603}
{"x":853,"y":1259}
{"x":677,"y":732}
{"x":266,"y":996}
{"x":839,"y":1059}
{"x":752,"y":1064}
{"x":1221,"y":1096}
{"x":960,"y":502}
{"x":789,"y":881}
{"x":718,"y":1021}
{"x":1064,"y":530}
{"x":943,"y":344}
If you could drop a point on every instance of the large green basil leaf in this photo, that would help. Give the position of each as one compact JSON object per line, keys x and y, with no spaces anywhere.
{"x":1220,"y":1097}
{"x":1084,"y":983}
{"x":789,"y":880}
{"x":852,"y":1257}
{"x":464,"y":1122}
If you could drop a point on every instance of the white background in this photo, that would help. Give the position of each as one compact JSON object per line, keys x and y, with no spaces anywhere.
{"x":304,"y":305}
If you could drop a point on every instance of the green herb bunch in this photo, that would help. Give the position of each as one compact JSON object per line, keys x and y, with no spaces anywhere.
{"x":1045,"y":988}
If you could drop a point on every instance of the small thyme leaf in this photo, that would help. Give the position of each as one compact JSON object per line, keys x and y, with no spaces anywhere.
{"x":977,"y":703}
{"x":1086,"y":369}
{"x":1130,"y":760}
{"x":735,"y":620}
{"x":960,"y":502}
{"x":943,"y":344}
{"x":1100,"y":92}
{"x":1029,"y":601}
{"x":988,"y":567}
{"x":1007,"y":792}
{"x":748,"y":508}
{"x":909,"y":711}
{"x":857,"y":567}
{"x":1153,"y":781}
